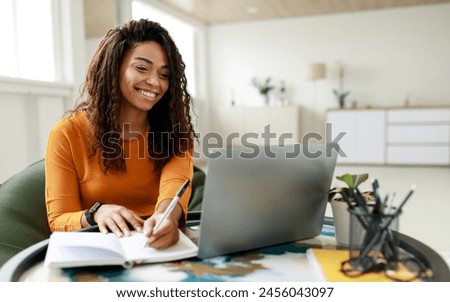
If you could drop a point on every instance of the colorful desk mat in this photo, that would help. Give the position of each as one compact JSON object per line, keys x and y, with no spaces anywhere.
{"x":284,"y":262}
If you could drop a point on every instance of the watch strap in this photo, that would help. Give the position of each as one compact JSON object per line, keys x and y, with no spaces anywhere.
{"x":89,"y":214}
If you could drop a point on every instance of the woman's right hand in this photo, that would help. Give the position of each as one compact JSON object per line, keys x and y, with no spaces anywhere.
{"x":117,"y":219}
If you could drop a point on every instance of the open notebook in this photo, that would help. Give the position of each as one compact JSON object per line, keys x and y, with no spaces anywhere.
{"x":75,"y":249}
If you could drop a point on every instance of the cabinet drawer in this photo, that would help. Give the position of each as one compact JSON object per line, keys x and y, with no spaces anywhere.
{"x":418,"y":115}
{"x":433,"y":155}
{"x":418,"y":134}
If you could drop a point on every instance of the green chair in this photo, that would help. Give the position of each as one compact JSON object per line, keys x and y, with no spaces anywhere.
{"x":23,"y":215}
{"x":198,"y":184}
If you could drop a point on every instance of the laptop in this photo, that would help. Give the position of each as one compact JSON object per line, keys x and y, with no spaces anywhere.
{"x":257,"y":197}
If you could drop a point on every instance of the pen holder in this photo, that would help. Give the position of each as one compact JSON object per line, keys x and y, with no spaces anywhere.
{"x":375,"y":246}
{"x":357,"y":231}
{"x":371,"y":238}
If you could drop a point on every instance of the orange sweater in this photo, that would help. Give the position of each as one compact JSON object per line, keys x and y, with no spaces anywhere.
{"x":74,"y":182}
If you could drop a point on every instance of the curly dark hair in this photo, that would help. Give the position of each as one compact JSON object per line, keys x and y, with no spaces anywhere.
{"x":171,"y":131}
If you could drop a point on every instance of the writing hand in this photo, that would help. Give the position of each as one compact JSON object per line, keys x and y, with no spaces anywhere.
{"x":163,"y":237}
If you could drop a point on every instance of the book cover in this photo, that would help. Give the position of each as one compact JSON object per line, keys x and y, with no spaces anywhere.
{"x":327,"y":264}
{"x":75,"y":249}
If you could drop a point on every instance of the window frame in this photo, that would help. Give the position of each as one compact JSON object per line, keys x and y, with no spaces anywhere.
{"x":64,"y":77}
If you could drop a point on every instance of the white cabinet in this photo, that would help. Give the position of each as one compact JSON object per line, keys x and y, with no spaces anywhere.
{"x":418,"y":136}
{"x":363,"y":135}
{"x":257,"y":125}
{"x":403,"y":136}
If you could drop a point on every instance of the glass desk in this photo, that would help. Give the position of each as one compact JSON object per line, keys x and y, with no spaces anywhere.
{"x":283,"y":262}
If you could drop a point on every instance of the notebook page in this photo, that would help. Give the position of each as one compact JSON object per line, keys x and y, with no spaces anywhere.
{"x":133,"y":247}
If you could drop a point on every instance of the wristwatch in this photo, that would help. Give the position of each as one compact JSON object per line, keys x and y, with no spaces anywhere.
{"x":90,"y":213}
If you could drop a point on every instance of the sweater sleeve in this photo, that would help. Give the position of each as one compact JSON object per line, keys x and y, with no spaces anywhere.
{"x":61,"y":188}
{"x":173,"y":175}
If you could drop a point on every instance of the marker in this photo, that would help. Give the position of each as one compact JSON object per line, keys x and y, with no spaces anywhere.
{"x":171,"y":206}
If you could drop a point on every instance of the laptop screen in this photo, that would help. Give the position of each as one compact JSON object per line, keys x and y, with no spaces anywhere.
{"x":256,"y":197}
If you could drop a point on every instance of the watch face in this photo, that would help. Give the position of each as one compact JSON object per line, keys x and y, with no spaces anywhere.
{"x":95,"y":207}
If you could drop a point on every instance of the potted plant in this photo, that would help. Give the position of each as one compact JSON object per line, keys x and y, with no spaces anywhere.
{"x":340,"y":93}
{"x":352,"y":181}
{"x":264,"y":88}
{"x":339,"y":207}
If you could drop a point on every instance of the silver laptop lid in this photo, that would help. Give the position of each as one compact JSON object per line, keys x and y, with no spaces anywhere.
{"x":256,"y":197}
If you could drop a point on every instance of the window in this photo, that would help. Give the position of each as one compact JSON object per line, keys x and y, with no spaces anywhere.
{"x":182,"y":33}
{"x":26,"y":32}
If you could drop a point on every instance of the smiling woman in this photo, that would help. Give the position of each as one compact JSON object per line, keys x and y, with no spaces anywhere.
{"x":144,"y":81}
{"x":120,"y":155}
{"x":185,"y":35}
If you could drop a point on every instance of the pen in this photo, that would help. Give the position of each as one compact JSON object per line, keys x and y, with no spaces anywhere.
{"x":376,"y":191}
{"x":411,"y":191}
{"x":396,"y":213}
{"x":360,"y":200}
{"x":346,"y":199}
{"x":350,"y":205}
{"x":171,"y":206}
{"x":390,"y":204}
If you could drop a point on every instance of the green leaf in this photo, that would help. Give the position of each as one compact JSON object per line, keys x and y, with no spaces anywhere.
{"x":360,"y":178}
{"x":353,"y":180}
{"x":348,"y":179}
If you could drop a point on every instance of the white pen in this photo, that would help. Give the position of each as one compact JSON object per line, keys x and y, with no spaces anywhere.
{"x":171,"y":206}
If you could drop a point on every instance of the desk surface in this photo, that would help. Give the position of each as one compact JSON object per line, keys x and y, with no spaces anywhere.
{"x":284,"y":262}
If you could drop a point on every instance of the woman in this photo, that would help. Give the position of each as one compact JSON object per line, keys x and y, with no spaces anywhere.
{"x":123,"y":153}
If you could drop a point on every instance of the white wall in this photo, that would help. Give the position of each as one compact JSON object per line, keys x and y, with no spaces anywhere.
{"x":25,"y":119}
{"x":388,"y":54}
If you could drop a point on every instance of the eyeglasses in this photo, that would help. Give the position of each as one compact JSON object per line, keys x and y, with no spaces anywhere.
{"x":406,"y":269}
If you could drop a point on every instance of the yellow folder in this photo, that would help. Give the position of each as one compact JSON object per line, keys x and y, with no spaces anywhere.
{"x":328,"y":264}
